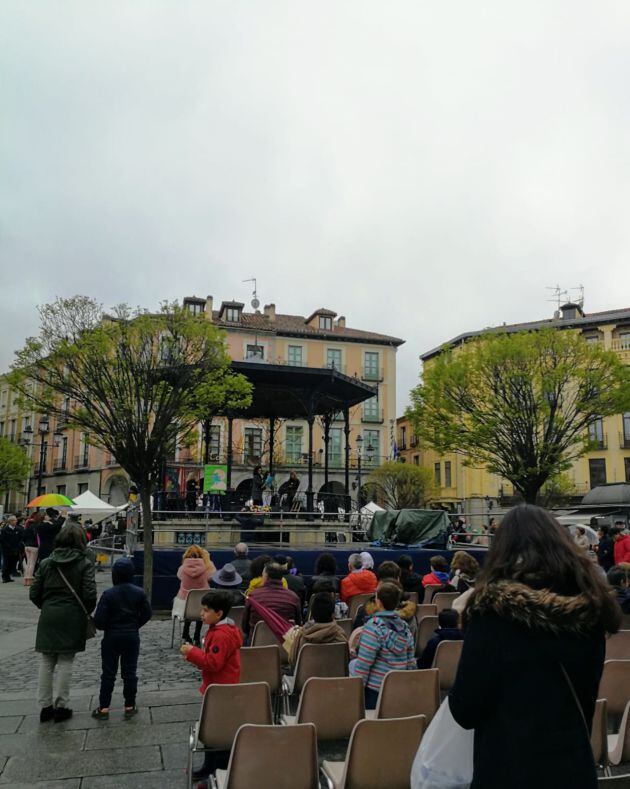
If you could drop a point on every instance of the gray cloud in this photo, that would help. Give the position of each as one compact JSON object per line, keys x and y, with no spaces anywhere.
{"x":422,"y":168}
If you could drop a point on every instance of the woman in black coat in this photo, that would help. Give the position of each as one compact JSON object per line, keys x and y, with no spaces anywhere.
{"x":532,"y":659}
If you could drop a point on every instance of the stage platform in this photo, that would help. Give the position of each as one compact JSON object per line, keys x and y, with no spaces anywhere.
{"x":166,"y":562}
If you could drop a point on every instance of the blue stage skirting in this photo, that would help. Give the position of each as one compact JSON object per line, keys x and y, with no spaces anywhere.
{"x":167,"y":562}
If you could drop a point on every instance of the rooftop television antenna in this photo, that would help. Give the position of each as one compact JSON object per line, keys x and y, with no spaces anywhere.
{"x":560,"y":296}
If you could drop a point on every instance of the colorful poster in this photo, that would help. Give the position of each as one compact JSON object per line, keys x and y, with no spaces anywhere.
{"x":215,"y":479}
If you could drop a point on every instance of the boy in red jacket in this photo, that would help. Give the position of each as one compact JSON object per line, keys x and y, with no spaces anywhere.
{"x":220,"y":657}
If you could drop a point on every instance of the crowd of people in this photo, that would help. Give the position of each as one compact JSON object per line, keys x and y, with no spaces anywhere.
{"x":539,"y":608}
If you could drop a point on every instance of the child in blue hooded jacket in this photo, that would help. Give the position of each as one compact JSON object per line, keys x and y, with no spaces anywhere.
{"x":121,"y":612}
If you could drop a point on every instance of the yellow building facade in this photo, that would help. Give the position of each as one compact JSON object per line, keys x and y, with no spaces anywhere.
{"x":463,"y":487}
{"x":322,"y":339}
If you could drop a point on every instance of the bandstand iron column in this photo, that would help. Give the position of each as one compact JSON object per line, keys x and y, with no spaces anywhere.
{"x":346,"y":430}
{"x":326,"y":440}
{"x":230,"y":420}
{"x":309,"y":492}
{"x":272,"y":425}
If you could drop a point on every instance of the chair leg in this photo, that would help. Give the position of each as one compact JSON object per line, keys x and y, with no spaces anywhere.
{"x":189,"y":777}
{"x":173,"y":632}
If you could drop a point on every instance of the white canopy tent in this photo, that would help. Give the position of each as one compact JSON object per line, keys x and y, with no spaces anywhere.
{"x":91,"y":506}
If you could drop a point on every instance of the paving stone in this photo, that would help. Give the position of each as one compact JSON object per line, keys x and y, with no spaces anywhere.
{"x":3,"y":761}
{"x":166,"y":779}
{"x":175,"y":756}
{"x":10,"y":724}
{"x":70,"y":783}
{"x":50,"y":739}
{"x":176,"y":712}
{"x":73,"y":763}
{"x":123,"y":736}
{"x":84,"y":720}
{"x":22,"y":706}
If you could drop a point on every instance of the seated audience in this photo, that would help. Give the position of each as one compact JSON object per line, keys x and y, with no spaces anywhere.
{"x":325,"y":585}
{"x":406,"y":609}
{"x":464,"y":569}
{"x":295,"y":582}
{"x":256,"y":570}
{"x":439,"y":572}
{"x":367,"y":561}
{"x":241,"y":563}
{"x":619,"y":579}
{"x":360,"y":580}
{"x":409,"y":580}
{"x":273,"y":595}
{"x":325,"y":569}
{"x":386,"y":643}
{"x":229,"y":580}
{"x":448,"y":630}
{"x":605,"y":548}
{"x":320,"y":629}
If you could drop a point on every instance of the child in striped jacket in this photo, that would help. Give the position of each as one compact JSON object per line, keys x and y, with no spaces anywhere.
{"x":386,"y":643}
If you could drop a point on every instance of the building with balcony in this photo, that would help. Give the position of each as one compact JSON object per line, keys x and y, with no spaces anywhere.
{"x":320,"y":340}
{"x":609,"y":458}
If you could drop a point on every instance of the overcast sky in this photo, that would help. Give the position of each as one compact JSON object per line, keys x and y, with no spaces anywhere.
{"x":422,"y":168}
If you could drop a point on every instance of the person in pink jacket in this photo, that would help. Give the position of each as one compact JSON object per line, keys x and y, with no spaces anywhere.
{"x":194,"y":573}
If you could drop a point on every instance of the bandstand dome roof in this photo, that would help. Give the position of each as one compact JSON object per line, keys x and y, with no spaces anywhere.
{"x":612,"y":493}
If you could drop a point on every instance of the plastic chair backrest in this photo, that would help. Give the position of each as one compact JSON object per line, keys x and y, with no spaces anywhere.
{"x":599,"y":739}
{"x":346,"y":626}
{"x":381,"y":752}
{"x":614,"y":686}
{"x":262,"y":664}
{"x":429,"y":591}
{"x":625,"y":622}
{"x":426,"y":628}
{"x":408,"y":693}
{"x":355,"y":602}
{"x":236,"y":614}
{"x":446,"y":660}
{"x":444,"y":600}
{"x":192,"y":610}
{"x":284,"y":757}
{"x":320,"y":660}
{"x":413,"y":596}
{"x":425,"y":609}
{"x":227,"y":707}
{"x":615,"y":781}
{"x":618,"y":646}
{"x":264,"y":637}
{"x":333,"y":721}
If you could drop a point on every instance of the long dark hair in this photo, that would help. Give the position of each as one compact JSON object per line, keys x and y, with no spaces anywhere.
{"x":532,"y":548}
{"x":325,"y":564}
{"x":258,"y":565}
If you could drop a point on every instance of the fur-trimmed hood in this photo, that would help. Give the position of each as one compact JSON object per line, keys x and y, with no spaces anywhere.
{"x":538,"y":609}
{"x":406,"y":610}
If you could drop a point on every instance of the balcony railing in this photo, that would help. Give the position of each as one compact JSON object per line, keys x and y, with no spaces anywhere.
{"x":59,"y":464}
{"x":376,"y":416}
{"x":622,"y":347}
{"x":372,"y":374}
{"x":80,"y":461}
{"x":598,"y":443}
{"x":413,"y":442}
{"x":624,"y":441}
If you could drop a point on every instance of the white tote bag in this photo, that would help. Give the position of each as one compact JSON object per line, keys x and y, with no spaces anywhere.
{"x":445,"y":756}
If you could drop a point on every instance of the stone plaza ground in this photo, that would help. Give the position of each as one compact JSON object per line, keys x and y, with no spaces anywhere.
{"x":147,"y":751}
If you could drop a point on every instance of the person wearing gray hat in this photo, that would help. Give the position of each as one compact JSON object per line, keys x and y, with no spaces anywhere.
{"x":228,"y":579}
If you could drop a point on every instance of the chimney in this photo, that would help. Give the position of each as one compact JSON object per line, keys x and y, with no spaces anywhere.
{"x":341,"y":322}
{"x":571,"y":311}
{"x":208,"y":312}
{"x":270,"y":312}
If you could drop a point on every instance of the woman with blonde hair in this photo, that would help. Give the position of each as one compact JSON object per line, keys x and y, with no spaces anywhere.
{"x":194,"y":573}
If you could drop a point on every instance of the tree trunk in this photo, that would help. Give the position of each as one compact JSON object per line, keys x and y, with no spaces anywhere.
{"x":147,"y":525}
{"x":530,"y":491}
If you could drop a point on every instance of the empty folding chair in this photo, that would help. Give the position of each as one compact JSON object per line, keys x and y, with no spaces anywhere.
{"x":444,"y":600}
{"x":380,"y":754}
{"x":619,"y":744}
{"x":446,"y":661}
{"x":429,"y":591}
{"x":236,"y":615}
{"x":262,"y":664}
{"x":284,"y":757}
{"x":225,"y":708}
{"x":426,"y":629}
{"x":615,"y":782}
{"x":614,"y":686}
{"x":318,"y":660}
{"x":355,"y":602}
{"x":425,"y":609}
{"x":192,"y":611}
{"x":332,"y":721}
{"x":618,"y":646}
{"x":408,"y":693}
{"x":263,"y":637}
{"x":599,"y":741}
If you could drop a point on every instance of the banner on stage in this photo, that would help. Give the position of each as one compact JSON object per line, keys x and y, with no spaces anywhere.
{"x":215,"y":479}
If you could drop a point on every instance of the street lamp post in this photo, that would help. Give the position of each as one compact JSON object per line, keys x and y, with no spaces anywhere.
{"x":369,"y":450}
{"x":43,"y":429}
